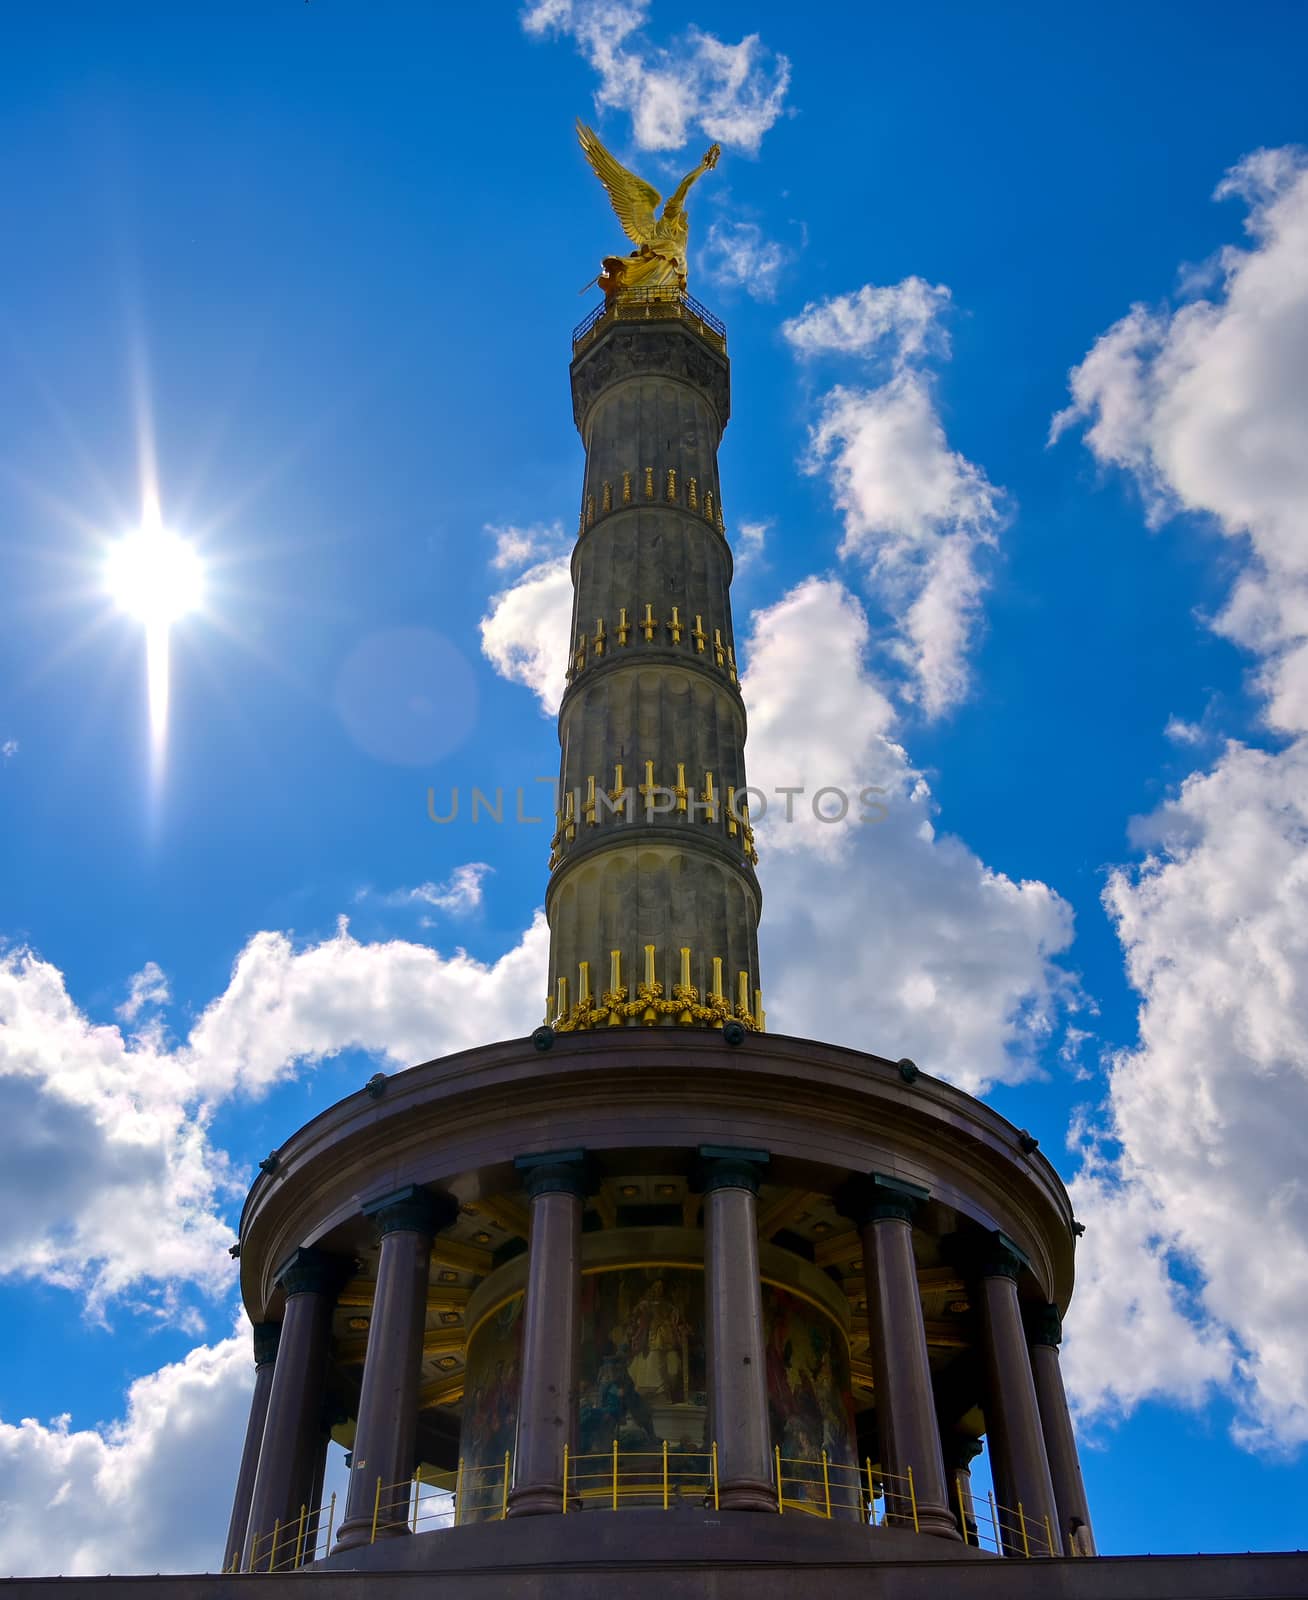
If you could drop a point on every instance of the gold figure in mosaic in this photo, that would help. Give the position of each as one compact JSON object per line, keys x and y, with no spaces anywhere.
{"x":659,"y":259}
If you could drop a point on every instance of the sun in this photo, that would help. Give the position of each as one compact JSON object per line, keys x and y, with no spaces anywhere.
{"x":155,"y":576}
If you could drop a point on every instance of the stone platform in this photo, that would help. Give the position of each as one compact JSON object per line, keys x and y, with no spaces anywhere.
{"x":685,"y":1555}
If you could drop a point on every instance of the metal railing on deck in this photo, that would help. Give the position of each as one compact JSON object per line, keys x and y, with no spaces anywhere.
{"x":1010,"y":1532}
{"x":443,"y":1499}
{"x":291,"y":1544}
{"x":618,"y":1477}
{"x":823,"y":1488}
{"x":662,"y":1477}
{"x":652,"y":305}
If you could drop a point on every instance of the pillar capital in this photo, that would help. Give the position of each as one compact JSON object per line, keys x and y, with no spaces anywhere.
{"x":961,"y":1451}
{"x":1044,"y":1325}
{"x":412,"y":1210}
{"x":876,"y":1197}
{"x":310,"y":1271}
{"x":266,"y":1337}
{"x":998,"y":1257}
{"x":555,"y":1172}
{"x":729,"y":1167}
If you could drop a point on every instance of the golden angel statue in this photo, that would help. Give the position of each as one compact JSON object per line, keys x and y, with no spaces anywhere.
{"x":659,"y":259}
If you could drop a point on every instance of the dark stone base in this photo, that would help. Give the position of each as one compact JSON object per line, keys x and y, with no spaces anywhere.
{"x":687,"y":1555}
{"x":536,"y":1500}
{"x":748,"y":1494}
{"x":357,"y":1532}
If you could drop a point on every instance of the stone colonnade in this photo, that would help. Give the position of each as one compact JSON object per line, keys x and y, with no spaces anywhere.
{"x":1032,"y":1446}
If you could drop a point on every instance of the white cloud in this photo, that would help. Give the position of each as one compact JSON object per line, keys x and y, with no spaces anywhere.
{"x":738,"y":255}
{"x":749,"y":539}
{"x":954,"y":964}
{"x":9,"y":749}
{"x":918,"y":515}
{"x":285,"y":1007}
{"x":459,"y":894}
{"x":1133,"y":1332}
{"x":731,"y":92}
{"x":150,"y":1492}
{"x":524,"y":635}
{"x":1069,"y":1052}
{"x":146,"y":988}
{"x":1181,"y":732}
{"x":107,"y":1176}
{"x":1207,"y":409}
{"x":523,"y":546}
{"x":896,"y":321}
{"x":1210,"y":1105}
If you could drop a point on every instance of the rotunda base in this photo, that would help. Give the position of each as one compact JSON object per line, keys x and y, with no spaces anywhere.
{"x":648,"y":1538}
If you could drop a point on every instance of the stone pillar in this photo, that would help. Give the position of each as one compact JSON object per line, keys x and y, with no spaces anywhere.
{"x":909,"y":1434}
{"x":1018,"y":1461}
{"x":733,"y":1299}
{"x":265,"y":1353}
{"x":960,"y":1453}
{"x":316,"y":1524}
{"x":386,"y":1431}
{"x":1045,"y":1332}
{"x":283,"y":1482}
{"x":547,"y":1405}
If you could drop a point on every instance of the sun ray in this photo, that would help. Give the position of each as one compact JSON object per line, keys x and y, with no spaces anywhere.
{"x":157,"y":654}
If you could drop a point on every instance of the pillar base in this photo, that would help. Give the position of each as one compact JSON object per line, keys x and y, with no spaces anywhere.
{"x":356,"y":1532}
{"x":935,"y":1520}
{"x":536,"y":1500}
{"x":748,"y":1494}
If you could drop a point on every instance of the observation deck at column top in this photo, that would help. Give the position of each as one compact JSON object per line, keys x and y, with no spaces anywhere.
{"x":650,"y":305}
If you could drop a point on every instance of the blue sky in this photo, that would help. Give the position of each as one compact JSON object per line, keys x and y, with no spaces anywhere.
{"x":312,"y":269}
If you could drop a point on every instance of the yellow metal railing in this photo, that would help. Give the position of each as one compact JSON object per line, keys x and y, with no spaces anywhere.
{"x":820,"y":1487}
{"x":291,"y":1544}
{"x":661,"y":1477}
{"x":441,"y":1499}
{"x":1003,"y":1529}
{"x":433,"y":1499}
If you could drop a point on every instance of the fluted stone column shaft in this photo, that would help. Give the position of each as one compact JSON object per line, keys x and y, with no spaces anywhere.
{"x":316,"y":1521}
{"x":906,"y":1415}
{"x":959,"y":1457}
{"x":736,"y":1360}
{"x":1060,"y":1436}
{"x":1019,"y":1464}
{"x":265,"y":1354}
{"x":283,"y":1482}
{"x":385,"y":1434}
{"x":547,"y":1405}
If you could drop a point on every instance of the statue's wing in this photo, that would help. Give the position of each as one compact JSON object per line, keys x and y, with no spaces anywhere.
{"x":634,"y":200}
